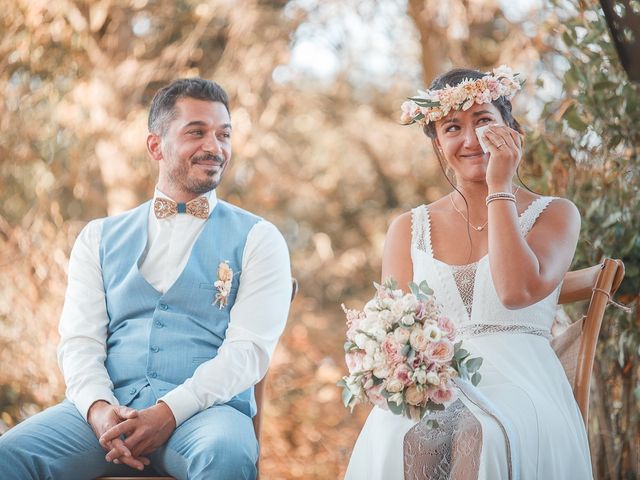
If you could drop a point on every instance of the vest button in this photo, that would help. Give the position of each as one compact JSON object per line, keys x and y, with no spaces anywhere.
{"x":153,"y":374}
{"x":164,"y":306}
{"x":155,"y":349}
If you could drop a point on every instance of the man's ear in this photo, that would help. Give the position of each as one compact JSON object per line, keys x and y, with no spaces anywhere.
{"x":154,"y":146}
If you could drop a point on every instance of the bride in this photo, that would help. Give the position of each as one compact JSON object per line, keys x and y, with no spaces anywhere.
{"x":495,"y":256}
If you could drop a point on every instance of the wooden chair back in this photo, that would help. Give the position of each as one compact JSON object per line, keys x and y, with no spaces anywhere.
{"x":576,"y":346}
{"x":257,"y":419}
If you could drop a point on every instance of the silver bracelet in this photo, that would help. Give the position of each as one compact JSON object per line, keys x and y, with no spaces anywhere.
{"x":500,"y":196}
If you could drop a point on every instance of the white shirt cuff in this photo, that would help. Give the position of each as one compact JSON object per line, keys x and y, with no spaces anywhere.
{"x":182,"y":402}
{"x":84,"y":400}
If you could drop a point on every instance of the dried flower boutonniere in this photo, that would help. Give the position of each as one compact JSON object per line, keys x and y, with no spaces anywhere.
{"x":223,"y":284}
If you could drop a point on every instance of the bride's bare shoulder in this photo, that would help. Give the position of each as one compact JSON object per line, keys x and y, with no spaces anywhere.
{"x":401,"y":226}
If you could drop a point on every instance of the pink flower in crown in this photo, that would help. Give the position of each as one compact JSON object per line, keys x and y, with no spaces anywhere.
{"x":492,"y":85}
{"x":444,"y":96}
{"x":502,"y":71}
{"x":440,"y":352}
{"x":409,"y":110}
{"x":483,"y":96}
{"x":506,"y":82}
{"x":469,"y":87}
{"x":447,"y":327}
{"x":435,"y":114}
{"x":458,"y":96}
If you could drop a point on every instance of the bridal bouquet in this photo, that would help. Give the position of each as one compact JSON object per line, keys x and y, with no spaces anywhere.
{"x":401,"y":353}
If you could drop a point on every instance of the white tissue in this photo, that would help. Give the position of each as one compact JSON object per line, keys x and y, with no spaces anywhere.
{"x":479,"y":133}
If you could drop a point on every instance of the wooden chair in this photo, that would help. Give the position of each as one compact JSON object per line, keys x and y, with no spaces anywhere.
{"x":257,"y":419}
{"x":576,"y":346}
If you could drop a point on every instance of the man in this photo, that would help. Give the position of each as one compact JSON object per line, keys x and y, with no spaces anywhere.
{"x":172,"y":313}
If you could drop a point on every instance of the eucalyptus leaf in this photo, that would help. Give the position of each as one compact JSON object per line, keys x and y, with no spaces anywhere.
{"x":395,"y":408}
{"x":346,"y":397}
{"x":462,"y":371}
{"x":473,"y":364}
{"x":460,"y":354}
{"x":423,"y":102}
{"x":424,"y":287}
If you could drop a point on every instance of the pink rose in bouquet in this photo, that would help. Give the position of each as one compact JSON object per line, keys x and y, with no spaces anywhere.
{"x":401,"y":355}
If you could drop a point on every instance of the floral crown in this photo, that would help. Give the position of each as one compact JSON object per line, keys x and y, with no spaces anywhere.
{"x":432,"y":105}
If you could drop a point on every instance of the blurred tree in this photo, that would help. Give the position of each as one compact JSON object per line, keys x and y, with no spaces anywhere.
{"x":587,"y":150}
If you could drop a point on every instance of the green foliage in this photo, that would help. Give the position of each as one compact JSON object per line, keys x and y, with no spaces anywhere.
{"x":466,"y":366}
{"x":422,"y":291}
{"x":588,"y":152}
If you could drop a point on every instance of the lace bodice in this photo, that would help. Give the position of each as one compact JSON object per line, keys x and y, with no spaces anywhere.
{"x":466,"y":292}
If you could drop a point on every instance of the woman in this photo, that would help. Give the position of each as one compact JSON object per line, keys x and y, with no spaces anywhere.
{"x":495,"y":255}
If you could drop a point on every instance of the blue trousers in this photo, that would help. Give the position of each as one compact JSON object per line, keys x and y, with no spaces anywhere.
{"x":216,"y":444}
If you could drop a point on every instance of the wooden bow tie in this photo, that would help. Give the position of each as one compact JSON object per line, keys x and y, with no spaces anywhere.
{"x":165,"y":208}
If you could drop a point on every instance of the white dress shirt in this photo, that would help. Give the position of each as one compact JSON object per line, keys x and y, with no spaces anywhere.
{"x":257,"y":318}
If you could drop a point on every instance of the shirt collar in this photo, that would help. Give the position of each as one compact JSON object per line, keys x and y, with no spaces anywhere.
{"x":211,"y":197}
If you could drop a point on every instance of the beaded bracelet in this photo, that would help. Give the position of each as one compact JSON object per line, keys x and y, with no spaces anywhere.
{"x":500,"y":196}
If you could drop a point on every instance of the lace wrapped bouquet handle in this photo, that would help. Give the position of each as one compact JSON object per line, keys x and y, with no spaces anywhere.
{"x":402,"y":354}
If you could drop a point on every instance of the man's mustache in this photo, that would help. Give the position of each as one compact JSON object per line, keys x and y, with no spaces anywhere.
{"x":209,"y":158}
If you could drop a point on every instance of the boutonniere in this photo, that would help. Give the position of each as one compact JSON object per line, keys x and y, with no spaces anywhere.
{"x":223,"y":284}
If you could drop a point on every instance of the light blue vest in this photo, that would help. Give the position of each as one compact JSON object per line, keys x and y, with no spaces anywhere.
{"x":155,"y":341}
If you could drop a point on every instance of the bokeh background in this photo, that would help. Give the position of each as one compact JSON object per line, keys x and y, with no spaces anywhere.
{"x":315,"y":91}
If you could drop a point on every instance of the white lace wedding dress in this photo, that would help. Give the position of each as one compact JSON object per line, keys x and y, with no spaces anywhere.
{"x":521,"y":422}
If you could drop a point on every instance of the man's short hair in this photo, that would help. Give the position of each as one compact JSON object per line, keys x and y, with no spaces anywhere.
{"x":163,"y":110}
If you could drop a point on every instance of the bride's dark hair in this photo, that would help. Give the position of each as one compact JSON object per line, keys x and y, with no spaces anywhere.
{"x":452,"y":78}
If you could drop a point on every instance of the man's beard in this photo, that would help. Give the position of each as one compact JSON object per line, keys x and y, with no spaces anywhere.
{"x":199,"y":186}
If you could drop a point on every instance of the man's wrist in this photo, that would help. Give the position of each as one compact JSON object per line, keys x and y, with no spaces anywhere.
{"x":95,"y":406}
{"x":167,"y":412}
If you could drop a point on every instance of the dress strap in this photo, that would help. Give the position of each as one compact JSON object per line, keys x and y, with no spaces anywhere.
{"x":532,"y":212}
{"x":421,"y":230}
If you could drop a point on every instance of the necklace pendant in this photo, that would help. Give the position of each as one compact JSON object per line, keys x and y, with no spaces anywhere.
{"x":479,"y":229}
